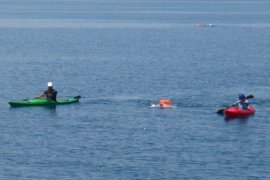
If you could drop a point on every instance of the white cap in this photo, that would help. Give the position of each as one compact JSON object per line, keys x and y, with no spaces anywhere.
{"x":49,"y":84}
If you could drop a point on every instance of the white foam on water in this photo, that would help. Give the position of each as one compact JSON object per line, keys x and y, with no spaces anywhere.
{"x":158,"y":106}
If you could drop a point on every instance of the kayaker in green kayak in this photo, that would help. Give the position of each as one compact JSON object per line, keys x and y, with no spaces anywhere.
{"x":50,"y":93}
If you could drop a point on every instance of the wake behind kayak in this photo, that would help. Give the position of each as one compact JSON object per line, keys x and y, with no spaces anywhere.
{"x":43,"y":102}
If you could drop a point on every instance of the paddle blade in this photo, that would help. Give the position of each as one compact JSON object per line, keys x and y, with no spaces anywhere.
{"x":250,"y":97}
{"x":77,"y":97}
{"x":220,"y":111}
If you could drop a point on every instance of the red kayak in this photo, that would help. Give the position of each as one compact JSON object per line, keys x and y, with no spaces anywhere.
{"x":235,"y":112}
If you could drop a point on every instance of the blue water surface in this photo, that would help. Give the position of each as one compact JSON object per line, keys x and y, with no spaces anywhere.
{"x":121,"y":56}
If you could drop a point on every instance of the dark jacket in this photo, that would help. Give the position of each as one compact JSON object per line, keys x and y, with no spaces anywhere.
{"x":50,"y":94}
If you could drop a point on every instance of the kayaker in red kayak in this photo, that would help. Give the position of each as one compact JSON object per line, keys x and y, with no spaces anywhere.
{"x":242,"y":103}
{"x":50,"y":93}
{"x":239,"y":109}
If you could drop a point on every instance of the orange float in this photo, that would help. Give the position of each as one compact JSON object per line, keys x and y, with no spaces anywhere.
{"x":165,"y":102}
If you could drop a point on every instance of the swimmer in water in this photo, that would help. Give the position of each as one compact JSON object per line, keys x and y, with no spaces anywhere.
{"x":163,"y":103}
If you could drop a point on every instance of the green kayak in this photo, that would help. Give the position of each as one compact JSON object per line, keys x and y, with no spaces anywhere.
{"x":43,"y":102}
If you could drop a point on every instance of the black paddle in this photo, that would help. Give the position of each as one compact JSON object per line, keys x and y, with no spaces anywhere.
{"x":220,"y":111}
{"x":77,"y":97}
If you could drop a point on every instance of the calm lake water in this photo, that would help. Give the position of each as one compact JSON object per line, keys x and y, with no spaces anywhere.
{"x":121,"y":56}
